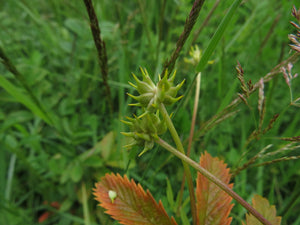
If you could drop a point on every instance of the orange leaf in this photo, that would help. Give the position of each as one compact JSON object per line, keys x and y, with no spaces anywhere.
{"x":263,"y":206}
{"x":47,"y":214}
{"x":44,"y":217}
{"x":213,"y":204}
{"x":128,"y":203}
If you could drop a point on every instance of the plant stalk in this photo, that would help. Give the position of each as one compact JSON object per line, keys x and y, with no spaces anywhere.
{"x":197,"y":94}
{"x":101,"y":49}
{"x":85,"y":205}
{"x":213,"y":179}
{"x":187,"y":171}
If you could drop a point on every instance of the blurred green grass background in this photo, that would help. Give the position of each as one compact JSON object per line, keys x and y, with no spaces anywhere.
{"x":50,"y":43}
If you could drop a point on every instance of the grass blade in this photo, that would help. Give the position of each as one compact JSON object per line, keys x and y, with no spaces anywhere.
{"x":21,"y":97}
{"x":217,"y":36}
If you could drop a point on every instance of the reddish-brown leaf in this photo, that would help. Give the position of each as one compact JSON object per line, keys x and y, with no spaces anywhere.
{"x":47,"y":214}
{"x":268,"y":211}
{"x":132,"y":205}
{"x":213,"y":204}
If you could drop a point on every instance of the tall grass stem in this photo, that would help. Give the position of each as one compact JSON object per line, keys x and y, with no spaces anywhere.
{"x":101,"y":49}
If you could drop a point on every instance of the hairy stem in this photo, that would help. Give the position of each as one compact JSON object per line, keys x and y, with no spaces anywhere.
{"x":213,"y":179}
{"x":187,"y":171}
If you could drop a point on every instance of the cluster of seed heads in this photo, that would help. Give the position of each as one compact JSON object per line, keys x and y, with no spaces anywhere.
{"x":146,"y":128}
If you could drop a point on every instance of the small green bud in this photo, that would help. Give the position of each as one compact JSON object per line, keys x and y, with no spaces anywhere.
{"x":196,"y":55}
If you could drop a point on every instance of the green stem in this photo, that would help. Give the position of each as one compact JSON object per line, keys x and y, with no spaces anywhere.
{"x":213,"y":179}
{"x":191,"y":136}
{"x":145,"y":23}
{"x":85,"y":205}
{"x":187,"y":171}
{"x":291,"y":92}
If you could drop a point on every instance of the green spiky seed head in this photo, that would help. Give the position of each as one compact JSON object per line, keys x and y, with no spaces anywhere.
{"x":144,"y":130}
{"x":150,"y":94}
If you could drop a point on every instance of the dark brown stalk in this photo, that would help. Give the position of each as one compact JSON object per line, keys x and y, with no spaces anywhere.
{"x":287,"y":158}
{"x":188,"y":26}
{"x":296,"y":138}
{"x":100,"y":46}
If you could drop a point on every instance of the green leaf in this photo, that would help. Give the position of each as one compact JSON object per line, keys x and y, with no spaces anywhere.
{"x":57,"y":164}
{"x":213,"y":204}
{"x":131,"y":204}
{"x":23,"y":98}
{"x":66,"y":205}
{"x":94,"y":161}
{"x":184,"y":218}
{"x":76,"y":172}
{"x":77,"y":26}
{"x":268,"y":211}
{"x":105,"y":147}
{"x":170,"y":195}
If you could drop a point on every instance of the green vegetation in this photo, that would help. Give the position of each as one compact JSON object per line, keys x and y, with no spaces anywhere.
{"x":61,"y":113}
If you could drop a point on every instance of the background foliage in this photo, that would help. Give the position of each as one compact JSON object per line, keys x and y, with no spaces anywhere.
{"x":50,"y":43}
